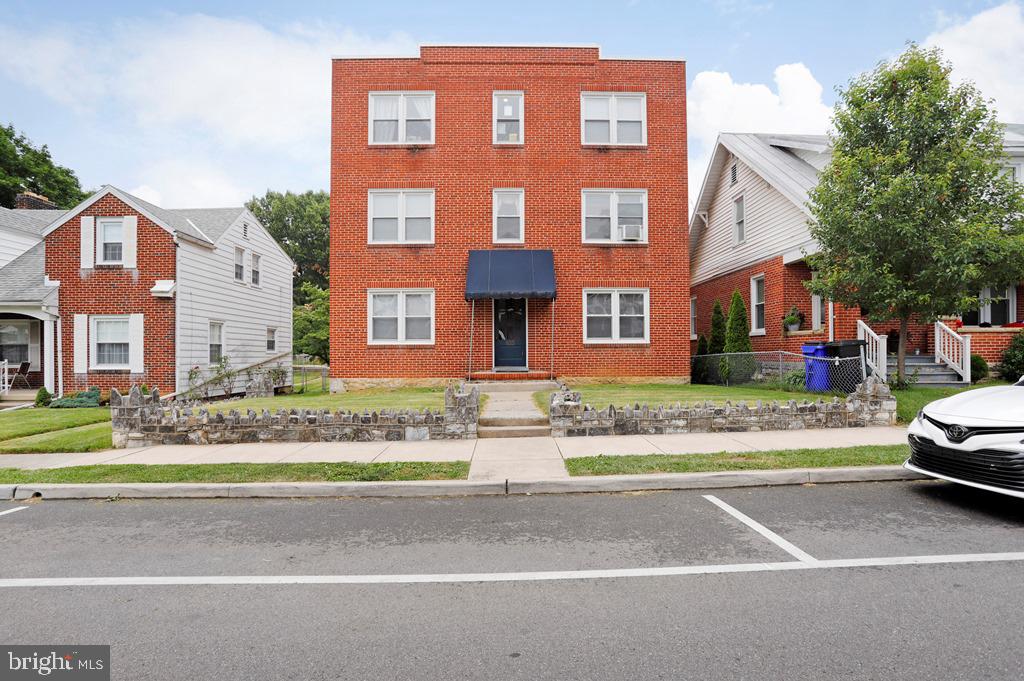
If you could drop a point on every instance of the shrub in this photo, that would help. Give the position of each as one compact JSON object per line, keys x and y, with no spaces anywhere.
{"x":737,"y":340}
{"x":716,"y":343}
{"x":86,"y":398}
{"x":979,"y":368}
{"x":797,"y":378}
{"x":698,"y":371}
{"x":43,"y":397}
{"x":1011,"y":366}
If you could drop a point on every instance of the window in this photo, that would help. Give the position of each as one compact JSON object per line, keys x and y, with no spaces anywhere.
{"x":110,"y":232}
{"x":401,"y":217}
{"x":255,"y":270}
{"x":239,"y":264}
{"x":615,"y":315}
{"x":613,"y":216}
{"x":739,"y":221}
{"x":14,"y":342}
{"x":110,"y":342}
{"x":757,"y":305}
{"x":995,"y":312}
{"x":401,"y":316}
{"x":216,"y":342}
{"x":402,"y":118}
{"x":819,"y":309}
{"x":508,"y":216}
{"x":614,"y":119}
{"x":271,"y":340}
{"x":508,"y":117}
{"x":693,"y":318}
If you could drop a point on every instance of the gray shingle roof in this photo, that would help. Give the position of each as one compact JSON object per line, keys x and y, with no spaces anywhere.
{"x":22,"y":279}
{"x":25,"y":220}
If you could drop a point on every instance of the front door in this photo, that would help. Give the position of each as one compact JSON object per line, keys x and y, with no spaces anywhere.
{"x":510,"y":333}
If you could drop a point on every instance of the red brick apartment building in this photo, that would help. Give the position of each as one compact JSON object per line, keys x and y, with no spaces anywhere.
{"x":508,"y":212}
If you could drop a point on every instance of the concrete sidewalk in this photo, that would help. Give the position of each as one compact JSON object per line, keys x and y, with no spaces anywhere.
{"x":531,"y":458}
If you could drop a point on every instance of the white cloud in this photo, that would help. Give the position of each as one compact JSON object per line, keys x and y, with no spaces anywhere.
{"x":231,"y":96}
{"x":987,"y":48}
{"x":716,"y":103}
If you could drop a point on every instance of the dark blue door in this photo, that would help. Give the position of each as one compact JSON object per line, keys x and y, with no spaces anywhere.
{"x":510,"y":333}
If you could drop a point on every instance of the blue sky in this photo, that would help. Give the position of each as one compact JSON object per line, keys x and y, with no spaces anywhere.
{"x":210,"y":102}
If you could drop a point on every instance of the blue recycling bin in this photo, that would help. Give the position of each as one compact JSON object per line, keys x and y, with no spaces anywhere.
{"x":815,"y":370}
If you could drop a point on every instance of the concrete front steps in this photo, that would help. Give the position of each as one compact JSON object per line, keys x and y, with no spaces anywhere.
{"x":513,"y":426}
{"x":514,"y":386}
{"x":929,"y":373}
{"x":510,"y":410}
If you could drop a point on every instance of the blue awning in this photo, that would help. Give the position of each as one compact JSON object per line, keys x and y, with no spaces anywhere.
{"x":510,"y":274}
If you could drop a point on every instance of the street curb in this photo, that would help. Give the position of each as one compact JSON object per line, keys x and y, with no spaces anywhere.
{"x":458,"y":488}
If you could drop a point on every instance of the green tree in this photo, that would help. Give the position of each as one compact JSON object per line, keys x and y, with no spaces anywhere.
{"x":915,"y":212}
{"x":24,"y":166}
{"x":737,"y":328}
{"x":698,"y":370}
{"x":716,"y":343}
{"x":300,"y":223}
{"x":310,"y":323}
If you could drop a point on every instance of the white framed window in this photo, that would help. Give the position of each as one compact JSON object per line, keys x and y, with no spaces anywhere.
{"x":614,"y":215}
{"x":508,"y":212}
{"x":240,"y":264}
{"x":693,"y":317}
{"x":757,"y":305}
{"x":15,"y":339}
{"x":402,"y":118}
{"x":508,"y":117}
{"x":401,"y":216}
{"x":400,"y":316}
{"x":271,"y":340}
{"x":819,"y":309}
{"x":739,"y":221}
{"x":254,"y":269}
{"x":110,"y":342}
{"x":110,"y":241}
{"x":613,"y":118}
{"x":999,"y":307}
{"x":616,"y":315}
{"x":216,"y":342}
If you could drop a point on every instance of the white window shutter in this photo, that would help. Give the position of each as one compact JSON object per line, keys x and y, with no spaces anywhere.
{"x":88,"y":243}
{"x":136,"y":342}
{"x":130,"y":229}
{"x":81,"y":342}
{"x":33,"y":345}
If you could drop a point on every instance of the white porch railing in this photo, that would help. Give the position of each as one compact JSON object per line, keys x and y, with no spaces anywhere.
{"x":953,"y":350}
{"x":5,"y":377}
{"x":876,"y":351}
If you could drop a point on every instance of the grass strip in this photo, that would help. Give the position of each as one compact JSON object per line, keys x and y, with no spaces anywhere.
{"x":23,"y":422}
{"x":878,"y":455}
{"x":241,"y":472}
{"x":91,"y":438}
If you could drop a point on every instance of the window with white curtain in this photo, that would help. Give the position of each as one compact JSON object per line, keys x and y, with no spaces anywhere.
{"x":401,"y":216}
{"x":998,"y":307}
{"x":508,"y":215}
{"x":616,"y":216}
{"x":402,"y":118}
{"x":614,"y":118}
{"x":110,"y":342}
{"x":616,"y":315}
{"x":400,"y":316}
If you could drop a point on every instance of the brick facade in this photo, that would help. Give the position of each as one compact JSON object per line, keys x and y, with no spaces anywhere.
{"x":463,"y":166}
{"x":115,"y":290}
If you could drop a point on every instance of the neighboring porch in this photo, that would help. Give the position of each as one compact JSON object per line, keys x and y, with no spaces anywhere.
{"x":27,"y":354}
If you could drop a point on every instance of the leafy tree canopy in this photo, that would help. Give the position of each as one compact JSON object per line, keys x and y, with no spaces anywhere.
{"x":24,"y":166}
{"x":300,"y":224}
{"x":310,"y":323}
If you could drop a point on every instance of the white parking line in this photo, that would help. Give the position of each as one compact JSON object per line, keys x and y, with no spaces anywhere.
{"x":13,"y":510}
{"x":786,"y":546}
{"x":455,"y":578}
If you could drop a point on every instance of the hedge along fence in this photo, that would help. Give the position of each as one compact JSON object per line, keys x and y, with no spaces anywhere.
{"x":871,"y":404}
{"x":142,"y":421}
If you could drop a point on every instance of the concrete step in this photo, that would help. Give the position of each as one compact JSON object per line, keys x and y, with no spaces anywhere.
{"x":512,"y":420}
{"x":514,"y":386}
{"x":512,"y":431}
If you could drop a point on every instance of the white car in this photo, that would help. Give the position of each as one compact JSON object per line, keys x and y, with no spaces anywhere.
{"x":975,"y":438}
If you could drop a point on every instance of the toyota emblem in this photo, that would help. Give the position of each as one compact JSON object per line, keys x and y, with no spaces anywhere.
{"x":956,"y":432}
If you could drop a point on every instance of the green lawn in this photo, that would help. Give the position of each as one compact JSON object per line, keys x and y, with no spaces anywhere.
{"x":90,"y":438}
{"x":733,"y":461}
{"x":241,"y":472}
{"x":22,"y":422}
{"x":621,"y":394}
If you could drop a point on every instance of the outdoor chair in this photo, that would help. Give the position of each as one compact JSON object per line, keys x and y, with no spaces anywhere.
{"x":22,"y":376}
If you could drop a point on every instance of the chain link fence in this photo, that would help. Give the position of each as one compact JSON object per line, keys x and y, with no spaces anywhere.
{"x":789,"y":370}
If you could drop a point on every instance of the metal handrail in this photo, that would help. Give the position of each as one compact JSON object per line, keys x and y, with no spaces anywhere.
{"x":876,"y":350}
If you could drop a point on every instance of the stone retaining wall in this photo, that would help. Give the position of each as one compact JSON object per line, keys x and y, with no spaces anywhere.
{"x":142,"y":421}
{"x":872,"y":404}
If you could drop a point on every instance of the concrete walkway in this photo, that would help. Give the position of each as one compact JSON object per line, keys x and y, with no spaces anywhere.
{"x":525,"y":458}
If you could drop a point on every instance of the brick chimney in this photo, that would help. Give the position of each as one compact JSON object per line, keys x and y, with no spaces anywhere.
{"x":33,"y":201}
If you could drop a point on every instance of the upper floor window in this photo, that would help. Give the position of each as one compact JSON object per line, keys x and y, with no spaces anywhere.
{"x":616,"y":315}
{"x":508,"y":216}
{"x":239,"y":264}
{"x":400,"y":317}
{"x":110,"y":342}
{"x":614,"y":118}
{"x":111,"y":240}
{"x":757,"y":305}
{"x":254,"y":270}
{"x":614,"y":216}
{"x":401,"y":216}
{"x":739,"y":221}
{"x":508,"y":117}
{"x":401,"y":118}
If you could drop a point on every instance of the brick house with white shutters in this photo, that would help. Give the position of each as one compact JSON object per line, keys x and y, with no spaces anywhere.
{"x":117,"y":291}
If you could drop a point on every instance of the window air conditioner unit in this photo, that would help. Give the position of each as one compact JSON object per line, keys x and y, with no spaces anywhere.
{"x":632,"y":232}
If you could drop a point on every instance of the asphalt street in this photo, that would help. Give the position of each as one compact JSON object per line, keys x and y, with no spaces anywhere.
{"x":784,"y":596}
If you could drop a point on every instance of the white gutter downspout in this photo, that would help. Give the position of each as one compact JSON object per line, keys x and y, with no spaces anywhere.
{"x":831,"y":321}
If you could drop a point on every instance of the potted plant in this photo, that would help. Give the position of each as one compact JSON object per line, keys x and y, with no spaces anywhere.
{"x":793,"y":319}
